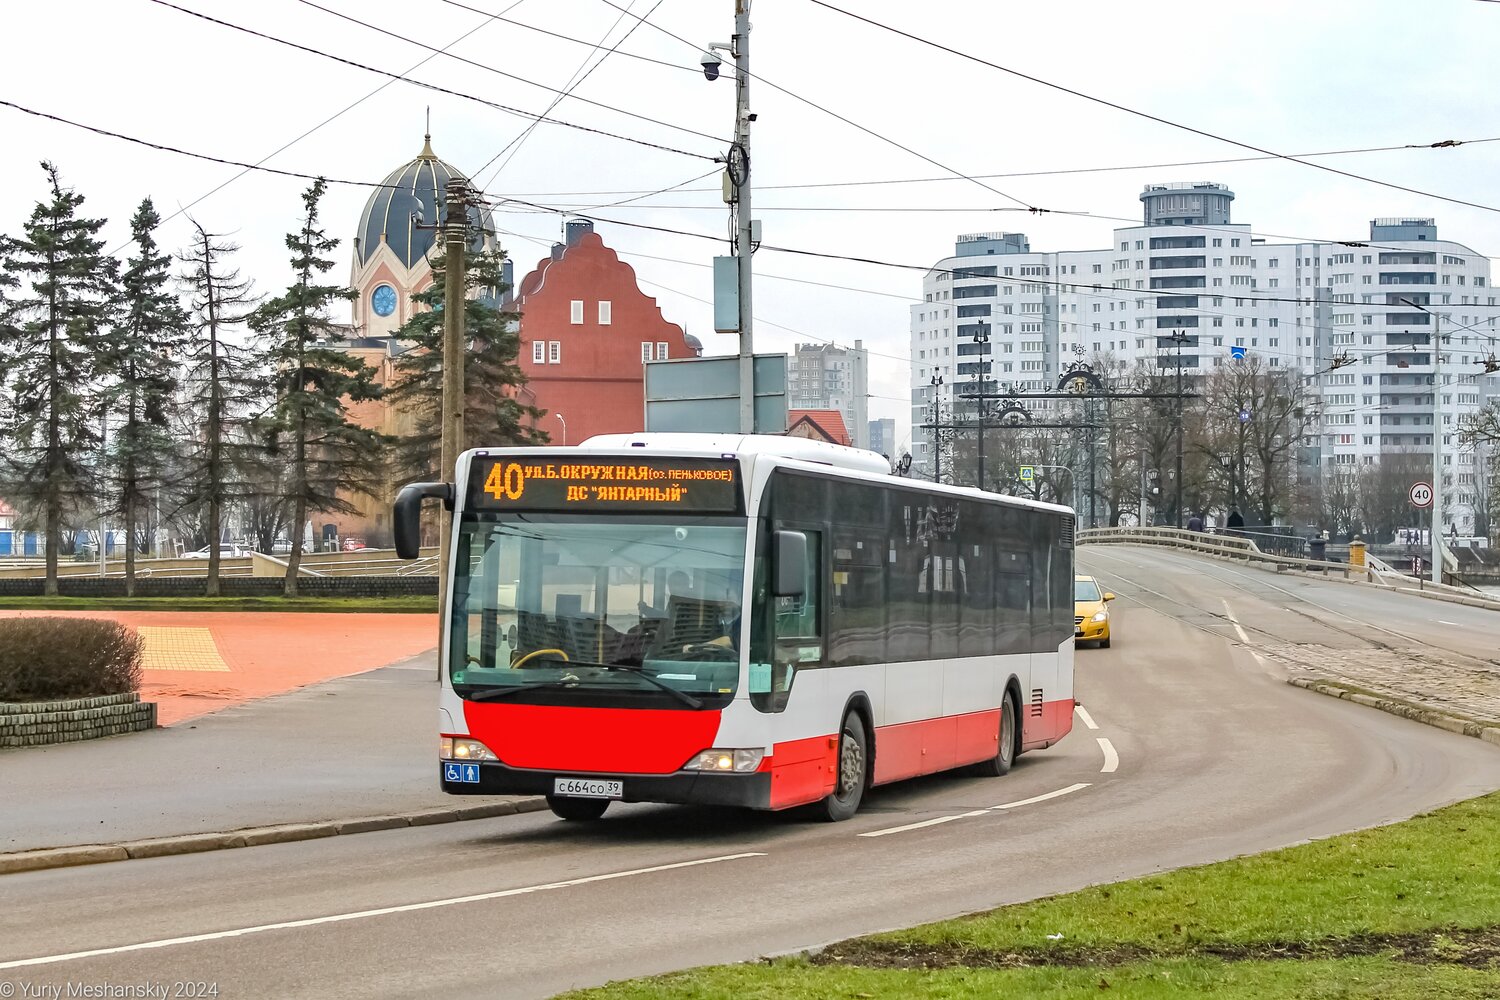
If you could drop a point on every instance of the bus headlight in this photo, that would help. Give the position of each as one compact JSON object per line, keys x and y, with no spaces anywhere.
{"x":725,"y":761}
{"x":459,"y":748}
{"x":1100,"y":616}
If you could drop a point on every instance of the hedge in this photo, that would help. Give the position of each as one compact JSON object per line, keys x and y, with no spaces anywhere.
{"x":44,"y":659}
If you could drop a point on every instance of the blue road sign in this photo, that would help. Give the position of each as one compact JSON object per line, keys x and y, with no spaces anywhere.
{"x":1244,"y":416}
{"x":1236,"y":352}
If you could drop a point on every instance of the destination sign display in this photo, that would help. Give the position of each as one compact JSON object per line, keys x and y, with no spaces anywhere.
{"x":558,"y":483}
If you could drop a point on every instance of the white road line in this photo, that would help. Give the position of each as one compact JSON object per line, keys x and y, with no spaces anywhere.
{"x":1111,"y":759}
{"x":1229,"y":612}
{"x":1042,"y":798}
{"x":1083,"y":713}
{"x":924,"y":824}
{"x":1441,"y":622}
{"x":362,"y":914}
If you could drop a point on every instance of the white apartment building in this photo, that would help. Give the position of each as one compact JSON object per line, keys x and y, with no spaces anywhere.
{"x":829,"y":377}
{"x":1333,"y":311}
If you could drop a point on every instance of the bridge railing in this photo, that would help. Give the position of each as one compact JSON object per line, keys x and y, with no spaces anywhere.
{"x":1224,"y":547}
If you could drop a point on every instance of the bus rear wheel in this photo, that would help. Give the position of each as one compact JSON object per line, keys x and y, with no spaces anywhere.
{"x":852,"y":769}
{"x":567,"y":807}
{"x":1005,"y":752}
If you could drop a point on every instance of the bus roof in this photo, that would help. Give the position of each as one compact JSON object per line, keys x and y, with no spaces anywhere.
{"x":791,"y":451}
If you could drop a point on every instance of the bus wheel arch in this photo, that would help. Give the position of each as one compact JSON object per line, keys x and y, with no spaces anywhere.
{"x":859,"y":704}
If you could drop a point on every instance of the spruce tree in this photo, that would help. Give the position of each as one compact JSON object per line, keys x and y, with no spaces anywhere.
{"x":141,"y":358}
{"x":494,"y":416}
{"x":224,"y":388}
{"x":327,"y":455}
{"x":51,"y":338}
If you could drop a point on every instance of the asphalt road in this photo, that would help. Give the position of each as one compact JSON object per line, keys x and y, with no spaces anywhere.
{"x":1206,"y":755}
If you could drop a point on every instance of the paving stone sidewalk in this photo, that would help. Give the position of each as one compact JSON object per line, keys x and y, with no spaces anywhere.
{"x":1453,"y":684}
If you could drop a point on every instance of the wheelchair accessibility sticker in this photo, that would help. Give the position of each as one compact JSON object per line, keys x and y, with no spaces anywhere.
{"x":464,"y":774}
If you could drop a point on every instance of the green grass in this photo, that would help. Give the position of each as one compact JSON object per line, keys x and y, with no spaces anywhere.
{"x":1334,"y":908}
{"x":1179,"y":979}
{"x":407,"y":604}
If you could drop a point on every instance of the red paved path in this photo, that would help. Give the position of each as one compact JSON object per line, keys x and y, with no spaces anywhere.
{"x":267,"y":652}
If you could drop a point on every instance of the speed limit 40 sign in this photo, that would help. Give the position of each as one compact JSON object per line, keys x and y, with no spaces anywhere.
{"x":1421,"y":494}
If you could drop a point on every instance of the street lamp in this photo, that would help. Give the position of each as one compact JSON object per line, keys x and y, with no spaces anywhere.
{"x":1179,"y":338}
{"x":937,"y":432}
{"x":981,"y":342}
{"x":564,"y":423}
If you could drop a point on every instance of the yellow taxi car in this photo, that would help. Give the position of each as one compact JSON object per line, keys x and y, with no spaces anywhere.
{"x":1090,"y":613}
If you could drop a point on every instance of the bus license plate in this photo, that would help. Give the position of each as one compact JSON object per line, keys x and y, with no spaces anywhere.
{"x":588,"y":788}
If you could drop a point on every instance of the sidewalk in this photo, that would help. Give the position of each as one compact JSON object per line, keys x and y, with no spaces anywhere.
{"x":353,"y":747}
{"x":198,"y":662}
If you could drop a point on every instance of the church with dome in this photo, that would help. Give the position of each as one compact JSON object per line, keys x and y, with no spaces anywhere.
{"x":586,"y":327}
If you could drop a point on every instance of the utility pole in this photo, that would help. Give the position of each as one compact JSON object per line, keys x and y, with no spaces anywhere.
{"x":1437,"y":449}
{"x":1436,"y":340}
{"x":456,"y":245}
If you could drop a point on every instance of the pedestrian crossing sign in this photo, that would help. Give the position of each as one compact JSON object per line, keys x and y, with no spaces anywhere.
{"x":1028,"y":473}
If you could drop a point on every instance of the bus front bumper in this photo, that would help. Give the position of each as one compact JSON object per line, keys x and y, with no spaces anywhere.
{"x":751,"y":790}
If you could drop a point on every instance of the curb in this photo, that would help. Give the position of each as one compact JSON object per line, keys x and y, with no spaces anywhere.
{"x":257,"y":836}
{"x":1406,"y":710}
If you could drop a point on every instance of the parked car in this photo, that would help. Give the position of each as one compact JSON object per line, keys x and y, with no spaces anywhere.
{"x":1090,"y":612}
{"x":352,"y":544}
{"x":225,"y":552}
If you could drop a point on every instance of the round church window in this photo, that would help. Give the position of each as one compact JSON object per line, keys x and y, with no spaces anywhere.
{"x":383,"y":300}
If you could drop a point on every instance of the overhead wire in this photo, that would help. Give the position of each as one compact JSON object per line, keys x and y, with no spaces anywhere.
{"x":574,"y":82}
{"x":1144,"y":114}
{"x":259,"y":164}
{"x":578,"y":41}
{"x":492,"y":69}
{"x":507,"y":109}
{"x":1087,"y":288}
{"x":868,"y":131}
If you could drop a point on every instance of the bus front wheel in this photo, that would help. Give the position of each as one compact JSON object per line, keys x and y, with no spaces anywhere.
{"x":567,"y":807}
{"x":851,"y":770}
{"x":1005,"y":752}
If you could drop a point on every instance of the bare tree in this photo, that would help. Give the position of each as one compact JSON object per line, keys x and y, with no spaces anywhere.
{"x":224,"y":385}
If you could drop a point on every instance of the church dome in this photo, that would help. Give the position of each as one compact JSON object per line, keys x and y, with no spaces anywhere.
{"x":420,"y":185}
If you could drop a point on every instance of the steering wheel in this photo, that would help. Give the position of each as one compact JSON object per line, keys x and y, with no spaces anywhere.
{"x":723,"y":652}
{"x":538,"y":652}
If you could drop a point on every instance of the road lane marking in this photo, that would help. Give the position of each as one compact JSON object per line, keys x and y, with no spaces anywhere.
{"x":1111,"y":759}
{"x":924,"y":824}
{"x":335,"y":918}
{"x":1229,"y":612}
{"x":1441,"y":622}
{"x":1043,"y":798}
{"x":1083,"y":713}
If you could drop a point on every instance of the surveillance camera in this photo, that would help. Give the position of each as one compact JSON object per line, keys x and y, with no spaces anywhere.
{"x":680,"y":533}
{"x":711,"y":64}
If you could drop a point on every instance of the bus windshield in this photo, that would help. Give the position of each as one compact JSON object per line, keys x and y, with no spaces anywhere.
{"x":628,"y":610}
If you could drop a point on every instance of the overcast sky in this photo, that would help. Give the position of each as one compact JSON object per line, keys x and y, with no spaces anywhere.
{"x":1292,"y":77}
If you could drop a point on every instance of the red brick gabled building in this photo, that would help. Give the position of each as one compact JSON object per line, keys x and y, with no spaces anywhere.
{"x":587,"y":330}
{"x":818,"y":425}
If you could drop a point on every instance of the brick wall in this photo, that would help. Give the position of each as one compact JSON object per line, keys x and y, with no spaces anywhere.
{"x":240,"y":586}
{"x":26,"y":724}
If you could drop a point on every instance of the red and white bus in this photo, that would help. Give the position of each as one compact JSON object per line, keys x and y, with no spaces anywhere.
{"x":742,"y":620}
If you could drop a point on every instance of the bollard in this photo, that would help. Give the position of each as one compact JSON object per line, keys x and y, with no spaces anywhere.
{"x":1357,"y":552}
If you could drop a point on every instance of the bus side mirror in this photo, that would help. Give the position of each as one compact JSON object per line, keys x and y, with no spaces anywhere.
{"x":789,"y":563}
{"x":406,"y":516}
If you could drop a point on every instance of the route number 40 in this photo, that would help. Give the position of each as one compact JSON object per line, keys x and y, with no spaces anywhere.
{"x":1421,"y":494}
{"x":505,"y":482}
